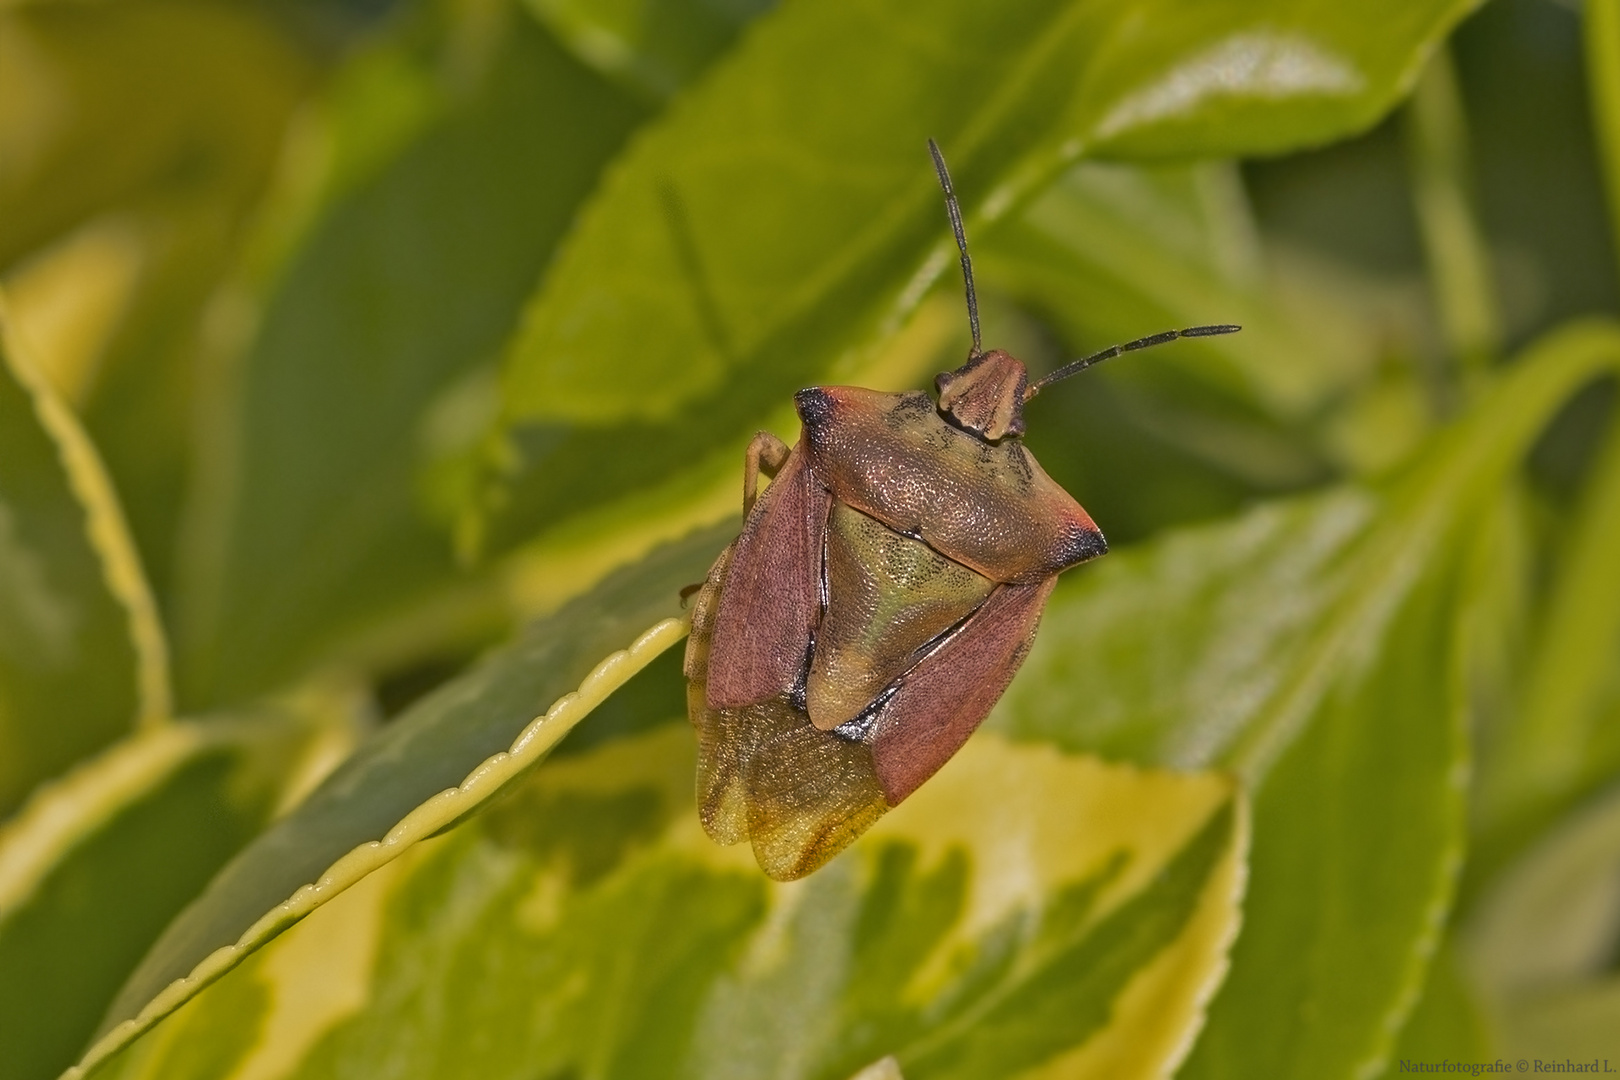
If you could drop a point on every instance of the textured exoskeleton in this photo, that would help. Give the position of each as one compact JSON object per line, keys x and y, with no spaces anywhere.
{"x":884,"y":590}
{"x":883,"y":593}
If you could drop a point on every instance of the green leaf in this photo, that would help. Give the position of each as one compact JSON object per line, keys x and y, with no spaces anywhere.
{"x":1213,"y":646}
{"x":82,"y":657}
{"x":1460,"y":273}
{"x":1173,"y":246}
{"x":1447,"y":1023}
{"x":1602,"y":29}
{"x":110,"y":104}
{"x":97,"y":863}
{"x":784,"y":210}
{"x":428,"y":769}
{"x":1545,"y":755}
{"x":372,"y":352}
{"x":1177,"y":653}
{"x":1359,"y":834}
{"x":1164,"y":654}
{"x":142,"y":138}
{"x":1540,"y":945}
{"x":1112,"y":251}
{"x":656,"y":47}
{"x":1026,"y":914}
{"x":1317,"y":648}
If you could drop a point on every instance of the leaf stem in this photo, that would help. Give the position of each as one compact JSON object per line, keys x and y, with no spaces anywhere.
{"x":1603,"y":72}
{"x":1443,"y":494}
{"x":1546,"y":753}
{"x":1457,"y":254}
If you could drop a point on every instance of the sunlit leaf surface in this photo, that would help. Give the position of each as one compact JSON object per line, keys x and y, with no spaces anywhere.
{"x":402,"y":325}
{"x":785,"y":207}
{"x":656,"y":47}
{"x":1314,"y":648}
{"x":1027,"y":914}
{"x":425,"y":771}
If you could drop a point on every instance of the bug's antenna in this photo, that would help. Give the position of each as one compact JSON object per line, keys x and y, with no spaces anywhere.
{"x":1130,"y":346}
{"x":955,"y":211}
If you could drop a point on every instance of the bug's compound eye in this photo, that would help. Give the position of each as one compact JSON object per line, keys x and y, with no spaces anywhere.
{"x":815,"y":405}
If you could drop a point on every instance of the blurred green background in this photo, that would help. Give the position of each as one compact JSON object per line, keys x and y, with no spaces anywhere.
{"x":375,"y":369}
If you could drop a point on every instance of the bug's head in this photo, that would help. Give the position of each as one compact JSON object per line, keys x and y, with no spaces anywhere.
{"x":986,"y":395}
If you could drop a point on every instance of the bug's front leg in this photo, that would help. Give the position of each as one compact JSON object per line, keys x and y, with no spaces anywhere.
{"x":766,"y":453}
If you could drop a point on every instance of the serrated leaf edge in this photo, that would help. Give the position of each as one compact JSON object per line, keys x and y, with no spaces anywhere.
{"x":1447,"y":872}
{"x":1230,"y":883}
{"x":105,"y":526}
{"x":438,"y":811}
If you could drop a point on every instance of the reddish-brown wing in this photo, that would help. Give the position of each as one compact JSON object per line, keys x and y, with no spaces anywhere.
{"x":951,"y":690}
{"x":772,"y":594}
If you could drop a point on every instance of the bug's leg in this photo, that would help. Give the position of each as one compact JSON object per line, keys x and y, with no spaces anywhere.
{"x":766,"y":454}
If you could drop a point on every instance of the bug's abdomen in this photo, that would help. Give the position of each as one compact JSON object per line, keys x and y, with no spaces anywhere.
{"x":765,"y":772}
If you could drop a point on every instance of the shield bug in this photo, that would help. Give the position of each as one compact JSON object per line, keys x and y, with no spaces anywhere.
{"x":884,"y":590}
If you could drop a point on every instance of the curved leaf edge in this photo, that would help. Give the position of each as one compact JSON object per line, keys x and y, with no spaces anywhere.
{"x":62,"y":812}
{"x":1469,"y":458}
{"x":1208,"y":935}
{"x":1446,"y":882}
{"x":106,"y":529}
{"x":430,"y":817}
{"x":1237,"y":890}
{"x":1579,"y":352}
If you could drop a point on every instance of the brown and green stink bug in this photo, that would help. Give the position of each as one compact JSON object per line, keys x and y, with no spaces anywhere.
{"x":885,"y":589}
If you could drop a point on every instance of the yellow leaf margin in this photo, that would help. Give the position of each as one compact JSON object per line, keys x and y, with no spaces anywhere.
{"x":437,"y":812}
{"x":63,"y":812}
{"x":105,"y":526}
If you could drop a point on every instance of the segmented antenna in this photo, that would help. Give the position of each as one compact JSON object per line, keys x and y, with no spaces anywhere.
{"x":1130,"y":346}
{"x":955,"y":211}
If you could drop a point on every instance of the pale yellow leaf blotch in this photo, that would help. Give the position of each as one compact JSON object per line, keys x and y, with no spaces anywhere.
{"x":434,"y":814}
{"x":1035,"y":819}
{"x":1042,"y":819}
{"x":1158,"y":1017}
{"x":885,"y":1069}
{"x":67,"y":301}
{"x":318,"y":976}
